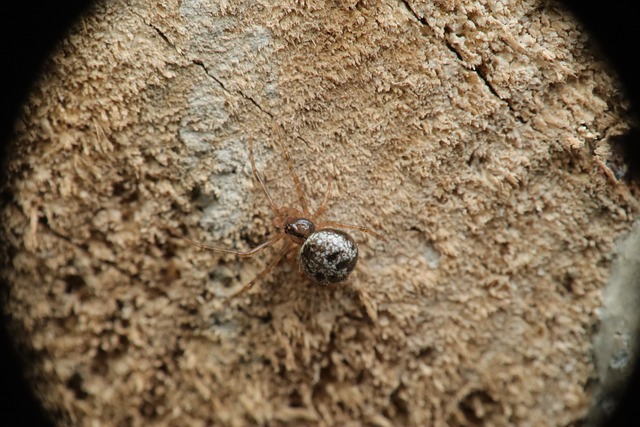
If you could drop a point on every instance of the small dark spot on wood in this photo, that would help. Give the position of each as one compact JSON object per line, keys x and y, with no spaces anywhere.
{"x":594,"y":328}
{"x":75,"y":384}
{"x":177,"y":353}
{"x":206,"y":295}
{"x":73,"y":283}
{"x":267,"y":318}
{"x":295,"y":399}
{"x":218,"y":275}
{"x":150,"y":178}
{"x":568,"y":282}
{"x":100,"y":364}
{"x":127,"y":192}
{"x":148,"y":410}
{"x":399,"y":404}
{"x":248,"y":235}
{"x":123,"y":340}
{"x":470,"y":406}
{"x":427,"y":353}
{"x":196,"y":193}
{"x":119,"y":188}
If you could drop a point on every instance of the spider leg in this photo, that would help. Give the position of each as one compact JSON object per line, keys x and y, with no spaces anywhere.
{"x":352,"y":227}
{"x":291,"y":254}
{"x":256,"y":175}
{"x":264,"y":272}
{"x":296,"y":180}
{"x":241,"y":254}
{"x":323,"y":206}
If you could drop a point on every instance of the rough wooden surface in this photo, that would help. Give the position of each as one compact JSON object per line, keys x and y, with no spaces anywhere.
{"x":476,"y":136}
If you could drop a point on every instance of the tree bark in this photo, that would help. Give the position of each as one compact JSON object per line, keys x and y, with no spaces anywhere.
{"x":476,"y":137}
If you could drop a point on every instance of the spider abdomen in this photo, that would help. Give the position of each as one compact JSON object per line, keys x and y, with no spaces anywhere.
{"x":328,"y":256}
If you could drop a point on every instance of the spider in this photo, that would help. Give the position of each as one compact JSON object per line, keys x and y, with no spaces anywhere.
{"x":326,"y":254}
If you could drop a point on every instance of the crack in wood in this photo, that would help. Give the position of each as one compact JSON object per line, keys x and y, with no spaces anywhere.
{"x":478,"y":70}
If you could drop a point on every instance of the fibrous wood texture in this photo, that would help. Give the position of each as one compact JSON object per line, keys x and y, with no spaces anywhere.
{"x":476,"y":136}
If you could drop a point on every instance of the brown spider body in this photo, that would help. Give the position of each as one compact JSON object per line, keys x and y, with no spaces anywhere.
{"x":325,"y":254}
{"x":298,"y":229}
{"x":294,"y":223}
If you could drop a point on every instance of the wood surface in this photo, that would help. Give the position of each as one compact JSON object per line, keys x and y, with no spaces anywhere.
{"x":476,"y":136}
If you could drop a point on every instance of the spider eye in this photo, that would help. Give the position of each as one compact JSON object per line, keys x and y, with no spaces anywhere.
{"x":328,"y":256}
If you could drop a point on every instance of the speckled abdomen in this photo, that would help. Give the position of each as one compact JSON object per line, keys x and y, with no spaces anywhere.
{"x":328,"y":256}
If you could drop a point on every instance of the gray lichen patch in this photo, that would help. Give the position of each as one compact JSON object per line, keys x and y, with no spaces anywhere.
{"x":615,"y":343}
{"x":474,"y":136}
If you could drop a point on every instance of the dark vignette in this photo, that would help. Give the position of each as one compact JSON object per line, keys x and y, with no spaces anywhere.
{"x":28,"y":32}
{"x":30,"y":29}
